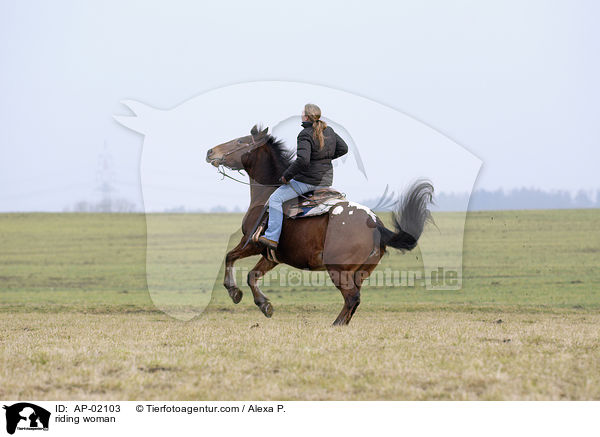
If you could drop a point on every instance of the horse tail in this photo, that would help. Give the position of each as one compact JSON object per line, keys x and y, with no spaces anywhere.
{"x":409,"y":218}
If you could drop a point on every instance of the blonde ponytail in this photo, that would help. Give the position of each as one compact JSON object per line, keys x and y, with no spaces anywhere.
{"x":313,"y":112}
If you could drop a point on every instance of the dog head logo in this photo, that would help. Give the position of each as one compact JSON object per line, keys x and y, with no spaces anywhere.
{"x":26,"y":416}
{"x":387,"y":148}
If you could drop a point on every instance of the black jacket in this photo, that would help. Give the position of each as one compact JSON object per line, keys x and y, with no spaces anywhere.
{"x":313,"y":166}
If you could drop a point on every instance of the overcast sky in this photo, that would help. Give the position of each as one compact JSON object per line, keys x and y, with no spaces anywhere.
{"x":515,"y":83}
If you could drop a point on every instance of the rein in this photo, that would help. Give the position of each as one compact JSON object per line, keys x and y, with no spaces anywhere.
{"x":251,"y":146}
{"x":221,"y":171}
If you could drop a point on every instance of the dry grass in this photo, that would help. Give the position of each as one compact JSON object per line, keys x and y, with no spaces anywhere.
{"x":297,"y":355}
{"x":77,"y":322}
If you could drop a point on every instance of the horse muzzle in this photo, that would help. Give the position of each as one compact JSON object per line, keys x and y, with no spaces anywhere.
{"x":216,"y":161}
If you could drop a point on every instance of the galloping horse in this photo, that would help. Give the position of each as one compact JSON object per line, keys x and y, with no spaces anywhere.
{"x":348,"y":241}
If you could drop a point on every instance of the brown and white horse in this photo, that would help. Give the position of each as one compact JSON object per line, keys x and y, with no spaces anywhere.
{"x":348,"y":242}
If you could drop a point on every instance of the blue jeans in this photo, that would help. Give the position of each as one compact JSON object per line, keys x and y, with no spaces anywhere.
{"x":280,"y":195}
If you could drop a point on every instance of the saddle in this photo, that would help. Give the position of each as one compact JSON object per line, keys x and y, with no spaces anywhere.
{"x":309,"y":204}
{"x":315,"y":202}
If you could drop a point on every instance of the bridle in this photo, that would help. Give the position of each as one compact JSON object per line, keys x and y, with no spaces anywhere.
{"x":250,"y":146}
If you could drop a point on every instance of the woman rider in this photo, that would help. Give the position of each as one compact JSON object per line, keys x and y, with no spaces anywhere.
{"x":318,"y":145}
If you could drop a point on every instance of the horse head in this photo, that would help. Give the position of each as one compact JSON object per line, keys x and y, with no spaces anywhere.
{"x":230,"y":154}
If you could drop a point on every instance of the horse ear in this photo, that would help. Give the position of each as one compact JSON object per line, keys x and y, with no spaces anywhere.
{"x":259,"y":135}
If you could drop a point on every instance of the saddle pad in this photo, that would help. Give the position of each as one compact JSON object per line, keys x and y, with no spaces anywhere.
{"x":308,"y":208}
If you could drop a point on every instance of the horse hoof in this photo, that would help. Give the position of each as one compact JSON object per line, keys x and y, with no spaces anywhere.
{"x":267,"y":309}
{"x":235,"y":294}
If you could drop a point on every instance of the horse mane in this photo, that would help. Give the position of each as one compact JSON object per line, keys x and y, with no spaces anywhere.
{"x":282,"y":156}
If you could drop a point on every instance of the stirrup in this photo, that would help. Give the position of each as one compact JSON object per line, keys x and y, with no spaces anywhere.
{"x":259,"y":231}
{"x":261,"y":228}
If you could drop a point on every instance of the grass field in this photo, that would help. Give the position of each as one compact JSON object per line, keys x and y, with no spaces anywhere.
{"x":77,"y":321}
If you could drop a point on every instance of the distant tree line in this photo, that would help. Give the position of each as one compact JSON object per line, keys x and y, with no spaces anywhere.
{"x":522,"y":198}
{"x":214,"y":209}
{"x":124,"y":205}
{"x":104,"y":205}
{"x":480,"y":200}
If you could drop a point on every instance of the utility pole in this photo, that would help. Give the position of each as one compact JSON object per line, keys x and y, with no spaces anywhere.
{"x":104,"y":177}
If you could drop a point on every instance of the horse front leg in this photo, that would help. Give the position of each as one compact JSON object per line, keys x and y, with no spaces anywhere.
{"x":259,"y":270}
{"x":238,"y":252}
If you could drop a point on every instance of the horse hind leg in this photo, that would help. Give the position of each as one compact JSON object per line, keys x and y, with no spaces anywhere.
{"x":262,"y":267}
{"x":238,"y":252}
{"x":345,"y":282}
{"x":351,"y":302}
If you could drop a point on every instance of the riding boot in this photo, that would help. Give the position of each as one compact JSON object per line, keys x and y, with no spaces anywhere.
{"x":269,"y":243}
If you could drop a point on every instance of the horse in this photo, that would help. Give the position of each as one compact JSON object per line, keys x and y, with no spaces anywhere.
{"x":348,"y":241}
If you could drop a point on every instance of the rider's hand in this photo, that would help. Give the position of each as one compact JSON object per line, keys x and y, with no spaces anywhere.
{"x":282,"y":180}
